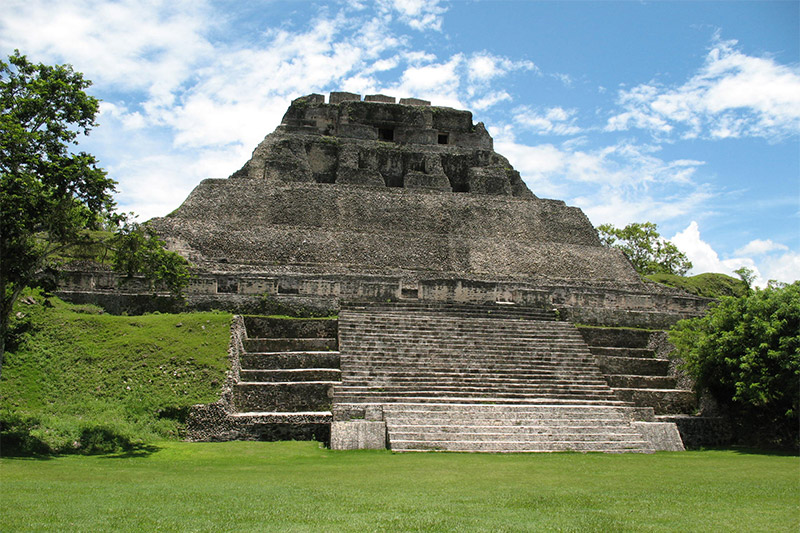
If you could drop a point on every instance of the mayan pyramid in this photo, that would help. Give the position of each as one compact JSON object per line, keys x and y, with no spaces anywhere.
{"x":457,"y":291}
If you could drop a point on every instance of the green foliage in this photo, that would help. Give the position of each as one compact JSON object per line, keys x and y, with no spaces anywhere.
{"x":746,"y":352}
{"x":139,"y":250}
{"x":56,"y":204}
{"x":80,"y":381}
{"x":708,"y":285}
{"x":645,"y":248}
{"x":224,"y":486}
{"x":48,"y":194}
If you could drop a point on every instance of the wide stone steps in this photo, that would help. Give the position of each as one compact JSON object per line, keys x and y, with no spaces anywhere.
{"x":462,"y":397}
{"x":521,"y":446}
{"x":422,"y":379}
{"x":507,"y":390}
{"x":510,"y":428}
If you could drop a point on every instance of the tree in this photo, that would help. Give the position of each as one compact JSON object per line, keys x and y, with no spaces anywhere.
{"x":48,"y":194}
{"x":137,"y":249}
{"x":51,"y":195}
{"x":746,"y":353}
{"x":648,"y":251}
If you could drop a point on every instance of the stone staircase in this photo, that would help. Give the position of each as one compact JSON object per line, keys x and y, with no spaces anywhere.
{"x":490,"y":378}
{"x":634,"y":371}
{"x":283,"y":383}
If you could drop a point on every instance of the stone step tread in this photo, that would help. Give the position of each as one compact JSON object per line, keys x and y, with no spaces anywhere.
{"x":624,"y":352}
{"x":297,"y":353}
{"x":631,"y":436}
{"x":522,"y":446}
{"x":284,"y":417}
{"x":482,"y":399}
{"x":284,"y":383}
{"x":647,"y":389}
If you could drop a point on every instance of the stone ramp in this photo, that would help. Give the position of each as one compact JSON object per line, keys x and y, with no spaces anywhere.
{"x":475,"y":378}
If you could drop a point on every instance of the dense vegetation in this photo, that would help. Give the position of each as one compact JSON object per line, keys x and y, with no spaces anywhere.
{"x":81,"y":381}
{"x":708,"y":285}
{"x":746,"y":352}
{"x":298,"y":486}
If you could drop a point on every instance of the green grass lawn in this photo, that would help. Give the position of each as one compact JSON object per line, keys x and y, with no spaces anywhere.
{"x":298,"y":486}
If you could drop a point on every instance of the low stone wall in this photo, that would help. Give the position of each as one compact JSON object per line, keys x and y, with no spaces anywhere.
{"x":602,"y":304}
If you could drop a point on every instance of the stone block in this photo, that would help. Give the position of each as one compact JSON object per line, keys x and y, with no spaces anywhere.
{"x":359,"y":176}
{"x":309,"y":99}
{"x":420,"y":180}
{"x":414,"y":101}
{"x":337,"y":97}
{"x":358,"y":435}
{"x":488,"y":180}
{"x":382,"y":98}
{"x":662,"y":436}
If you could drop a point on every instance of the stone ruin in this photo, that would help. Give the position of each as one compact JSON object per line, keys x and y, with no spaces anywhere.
{"x":457,"y":291}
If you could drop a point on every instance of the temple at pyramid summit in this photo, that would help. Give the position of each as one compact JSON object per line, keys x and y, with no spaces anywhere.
{"x":472,"y":315}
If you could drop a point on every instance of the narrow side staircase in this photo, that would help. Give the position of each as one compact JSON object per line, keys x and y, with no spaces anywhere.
{"x":634,"y":372}
{"x":283,"y":383}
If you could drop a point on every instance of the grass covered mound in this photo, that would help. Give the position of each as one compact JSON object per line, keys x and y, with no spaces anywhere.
{"x":77,"y":380}
{"x":708,"y":285}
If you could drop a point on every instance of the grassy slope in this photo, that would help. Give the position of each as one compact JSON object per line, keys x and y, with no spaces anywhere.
{"x":294,"y":486}
{"x":708,"y":285}
{"x":74,"y":368}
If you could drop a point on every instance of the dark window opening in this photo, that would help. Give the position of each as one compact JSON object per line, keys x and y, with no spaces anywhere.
{"x":386,"y":134}
{"x":443,"y":138}
{"x":227,"y":285}
{"x":409,"y":293}
{"x":285,"y":289}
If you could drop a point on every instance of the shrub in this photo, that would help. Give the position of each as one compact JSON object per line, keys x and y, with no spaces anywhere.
{"x":746,"y":353}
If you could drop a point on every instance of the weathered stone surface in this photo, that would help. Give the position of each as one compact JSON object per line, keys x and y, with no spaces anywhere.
{"x":662,"y":436}
{"x":358,"y":435}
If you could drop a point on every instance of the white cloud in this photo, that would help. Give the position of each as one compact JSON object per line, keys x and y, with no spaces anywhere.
{"x":784,"y":267}
{"x":418,"y":14}
{"x":484,"y":66}
{"x":760,"y":247}
{"x":732,"y":95}
{"x":550,"y":121}
{"x":488,"y":100}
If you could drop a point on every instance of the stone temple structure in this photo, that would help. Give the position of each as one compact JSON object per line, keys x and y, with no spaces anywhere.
{"x":457,"y":290}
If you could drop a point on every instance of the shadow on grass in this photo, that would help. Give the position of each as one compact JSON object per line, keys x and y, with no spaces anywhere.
{"x":144,"y":450}
{"x":751,"y":450}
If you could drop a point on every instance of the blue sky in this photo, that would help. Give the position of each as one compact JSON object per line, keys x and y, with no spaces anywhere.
{"x":686,"y":114}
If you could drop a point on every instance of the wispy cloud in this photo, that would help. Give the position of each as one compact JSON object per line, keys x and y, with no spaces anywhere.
{"x":550,"y":121}
{"x":733,"y":95}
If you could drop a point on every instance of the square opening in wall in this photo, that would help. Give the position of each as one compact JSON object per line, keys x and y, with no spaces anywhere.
{"x":386,"y":134}
{"x":443,"y":138}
